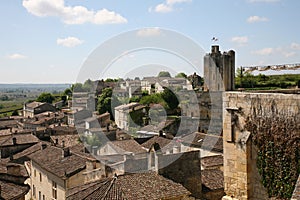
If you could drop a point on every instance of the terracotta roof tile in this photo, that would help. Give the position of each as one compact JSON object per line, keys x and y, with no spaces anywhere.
{"x":211,"y":161}
{"x":51,"y":159}
{"x":127,"y":146}
{"x":213,"y":179}
{"x":205,"y":141}
{"x":156,"y":139}
{"x":34,"y":104}
{"x":130,"y":186}
{"x":69,"y":140}
{"x":11,"y":190}
{"x":20,"y":139}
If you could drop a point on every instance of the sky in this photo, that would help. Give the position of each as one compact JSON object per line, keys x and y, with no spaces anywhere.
{"x":53,"y":41}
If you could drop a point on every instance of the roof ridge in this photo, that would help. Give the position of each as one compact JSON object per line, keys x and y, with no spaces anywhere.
{"x":94,"y":183}
{"x":110,"y":186}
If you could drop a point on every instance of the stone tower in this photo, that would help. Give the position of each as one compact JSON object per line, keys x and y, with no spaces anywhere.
{"x":219,"y":70}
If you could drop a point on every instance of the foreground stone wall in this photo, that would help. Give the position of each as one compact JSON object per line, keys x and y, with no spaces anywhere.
{"x":241,"y":177}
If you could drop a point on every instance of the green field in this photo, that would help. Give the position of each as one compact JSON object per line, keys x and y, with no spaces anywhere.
{"x":7,"y":107}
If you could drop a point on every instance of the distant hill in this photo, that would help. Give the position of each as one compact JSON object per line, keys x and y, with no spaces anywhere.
{"x":34,"y":87}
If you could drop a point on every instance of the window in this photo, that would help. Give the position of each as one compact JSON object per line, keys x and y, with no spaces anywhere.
{"x":43,"y":197}
{"x":40,"y":195}
{"x":33,"y":190}
{"x":40,"y":177}
{"x":34,"y":172}
{"x":54,"y":190}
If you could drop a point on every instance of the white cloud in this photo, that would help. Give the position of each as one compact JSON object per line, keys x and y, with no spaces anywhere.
{"x":71,"y":15}
{"x":295,"y":46}
{"x":16,"y":56}
{"x":253,"y":19}
{"x":263,"y":1}
{"x":289,"y":54}
{"x":171,"y":2}
{"x":148,"y":32}
{"x":264,"y":51}
{"x":285,"y":51}
{"x":167,"y":6}
{"x":163,"y":8}
{"x":240,"y":40}
{"x":69,"y":41}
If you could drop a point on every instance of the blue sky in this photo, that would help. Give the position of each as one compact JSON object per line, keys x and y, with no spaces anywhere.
{"x":47,"y":41}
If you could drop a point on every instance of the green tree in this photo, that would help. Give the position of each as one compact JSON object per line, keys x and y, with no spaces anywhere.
{"x":134,"y":99}
{"x":107,"y":102}
{"x":68,"y":92}
{"x":170,"y":98}
{"x":15,"y":113}
{"x":152,"y":99}
{"x":1,"y":106}
{"x":181,"y":75}
{"x":46,"y":97}
{"x":77,"y":87}
{"x":88,"y":85}
{"x":164,"y":74}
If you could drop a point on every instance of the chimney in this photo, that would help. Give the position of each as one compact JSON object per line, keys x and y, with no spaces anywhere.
{"x":14,"y":140}
{"x":66,"y":152}
{"x":13,"y":169}
{"x":11,"y":156}
{"x":161,"y":134}
{"x":44,"y":146}
{"x":10,"y":129}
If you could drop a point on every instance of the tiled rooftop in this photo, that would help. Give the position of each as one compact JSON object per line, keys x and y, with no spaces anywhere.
{"x":131,"y":186}
{"x":11,"y":190}
{"x":20,"y":139}
{"x":69,"y":140}
{"x":55,"y":163}
{"x":212,"y":161}
{"x":204,"y":141}
{"x":122,"y":146}
{"x":213,"y":179}
{"x":156,"y":139}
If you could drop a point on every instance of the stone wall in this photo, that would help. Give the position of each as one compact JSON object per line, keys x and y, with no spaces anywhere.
{"x":177,"y":170}
{"x":241,"y":177}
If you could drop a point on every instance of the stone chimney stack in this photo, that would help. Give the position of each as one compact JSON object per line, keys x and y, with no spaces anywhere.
{"x":66,"y":152}
{"x":44,"y":146}
{"x":13,"y":169}
{"x":14,"y":140}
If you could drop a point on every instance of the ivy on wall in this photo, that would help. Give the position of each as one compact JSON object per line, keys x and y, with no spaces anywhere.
{"x":276,"y":134}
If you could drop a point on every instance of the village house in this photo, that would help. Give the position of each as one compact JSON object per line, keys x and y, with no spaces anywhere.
{"x":122,"y":114}
{"x":14,"y":143}
{"x":34,"y":108}
{"x":12,"y":178}
{"x":54,"y":170}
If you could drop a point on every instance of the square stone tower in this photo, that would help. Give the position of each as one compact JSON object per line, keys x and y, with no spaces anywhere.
{"x":219,"y":70}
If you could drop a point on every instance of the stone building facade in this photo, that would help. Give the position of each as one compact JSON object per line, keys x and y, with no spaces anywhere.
{"x":241,"y":178}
